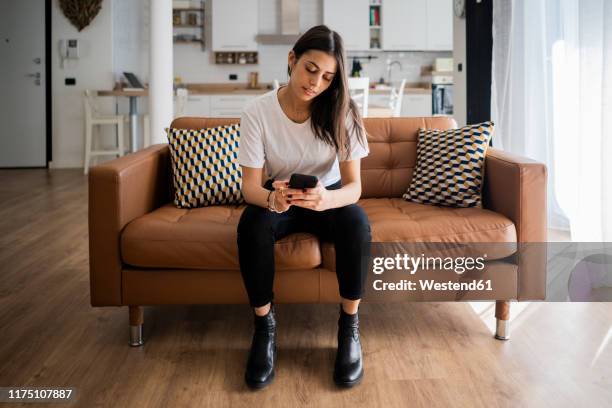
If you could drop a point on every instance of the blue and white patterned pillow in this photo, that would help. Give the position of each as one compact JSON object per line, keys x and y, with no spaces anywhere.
{"x":450,"y":166}
{"x":205,"y":166}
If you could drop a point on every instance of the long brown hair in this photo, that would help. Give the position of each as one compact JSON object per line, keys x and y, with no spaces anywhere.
{"x":329,"y":110}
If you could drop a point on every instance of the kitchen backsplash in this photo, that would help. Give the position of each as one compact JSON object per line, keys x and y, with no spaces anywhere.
{"x":195,"y":66}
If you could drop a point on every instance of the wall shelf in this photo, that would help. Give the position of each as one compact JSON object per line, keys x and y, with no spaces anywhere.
{"x":375,"y":25}
{"x":197,"y":41}
{"x":234,"y":57}
{"x":184,"y":21}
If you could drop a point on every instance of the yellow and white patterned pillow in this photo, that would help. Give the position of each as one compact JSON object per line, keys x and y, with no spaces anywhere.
{"x":450,"y":166}
{"x":205,"y":166}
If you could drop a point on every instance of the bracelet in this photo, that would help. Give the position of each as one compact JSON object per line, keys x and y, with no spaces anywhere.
{"x":272,"y":203}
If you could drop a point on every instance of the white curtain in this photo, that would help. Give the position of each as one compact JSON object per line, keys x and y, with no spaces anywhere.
{"x":552,"y":101}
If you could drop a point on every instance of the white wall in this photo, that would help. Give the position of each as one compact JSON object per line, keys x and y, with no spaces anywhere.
{"x":130,"y":35}
{"x":93,"y":70}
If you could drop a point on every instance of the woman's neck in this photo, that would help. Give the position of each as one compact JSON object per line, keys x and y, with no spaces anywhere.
{"x":292,"y":102}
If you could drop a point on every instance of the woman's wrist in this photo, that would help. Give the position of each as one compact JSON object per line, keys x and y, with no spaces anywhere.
{"x":331,"y":199}
{"x":271,"y":199}
{"x":272,"y":205}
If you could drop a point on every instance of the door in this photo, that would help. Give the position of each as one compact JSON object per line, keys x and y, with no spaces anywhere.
{"x":22,"y":84}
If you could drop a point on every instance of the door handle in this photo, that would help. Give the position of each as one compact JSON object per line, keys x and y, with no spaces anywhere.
{"x":36,"y":75}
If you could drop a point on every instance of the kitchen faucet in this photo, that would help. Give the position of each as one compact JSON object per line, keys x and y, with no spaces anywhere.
{"x":389,"y":66}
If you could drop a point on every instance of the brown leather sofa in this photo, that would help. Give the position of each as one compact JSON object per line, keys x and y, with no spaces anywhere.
{"x":145,"y":251}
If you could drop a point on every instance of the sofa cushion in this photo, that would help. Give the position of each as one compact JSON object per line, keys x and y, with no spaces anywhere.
{"x":205,"y":166}
{"x":397,"y":220}
{"x":450,"y":164}
{"x":204,"y":238}
{"x":388,"y":169}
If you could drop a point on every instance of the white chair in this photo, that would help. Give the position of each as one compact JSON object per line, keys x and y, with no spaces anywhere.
{"x":276,"y":84}
{"x":94,"y":118}
{"x":181,"y":101}
{"x":359,"y":88}
{"x":395,"y":99}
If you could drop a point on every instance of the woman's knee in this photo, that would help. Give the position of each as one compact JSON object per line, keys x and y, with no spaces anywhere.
{"x":353,"y":220}
{"x":255,"y":223}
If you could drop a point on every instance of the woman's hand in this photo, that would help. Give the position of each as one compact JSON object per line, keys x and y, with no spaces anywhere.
{"x":317,"y":198}
{"x":282,"y":202}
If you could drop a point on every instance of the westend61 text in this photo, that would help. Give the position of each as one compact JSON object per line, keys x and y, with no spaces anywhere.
{"x":430,"y":284}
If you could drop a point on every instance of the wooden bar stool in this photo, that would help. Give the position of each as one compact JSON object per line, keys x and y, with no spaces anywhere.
{"x":94,"y":118}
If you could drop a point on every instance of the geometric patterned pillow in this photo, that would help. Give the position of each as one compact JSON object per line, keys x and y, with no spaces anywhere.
{"x":205,"y":166}
{"x":450,"y":165}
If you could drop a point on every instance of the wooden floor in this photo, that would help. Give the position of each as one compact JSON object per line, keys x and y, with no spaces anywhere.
{"x":427,"y":354}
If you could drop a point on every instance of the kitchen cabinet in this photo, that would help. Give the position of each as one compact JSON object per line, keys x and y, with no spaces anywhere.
{"x":416,"y":105}
{"x":351,"y":19}
{"x":197,"y":105}
{"x":231,"y":105}
{"x":404,"y":25}
{"x":216,"y":105}
{"x":378,"y":99}
{"x":228,"y":106}
{"x":234,"y":25}
{"x":413,"y":104}
{"x":416,"y":25}
{"x":440,"y":25}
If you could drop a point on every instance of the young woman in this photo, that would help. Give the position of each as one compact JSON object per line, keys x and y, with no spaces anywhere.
{"x":310,"y":126}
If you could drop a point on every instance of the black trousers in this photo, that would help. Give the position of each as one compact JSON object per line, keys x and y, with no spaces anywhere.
{"x":259,"y":228}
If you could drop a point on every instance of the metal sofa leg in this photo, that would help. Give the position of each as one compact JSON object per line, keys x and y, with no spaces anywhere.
{"x":136,"y":320}
{"x":502,"y":315}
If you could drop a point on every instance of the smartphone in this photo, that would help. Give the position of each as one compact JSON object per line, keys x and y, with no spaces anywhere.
{"x":300,"y":181}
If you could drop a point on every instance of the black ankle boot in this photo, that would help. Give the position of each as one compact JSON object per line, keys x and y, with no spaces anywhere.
{"x":260,"y":365}
{"x":348,"y":369}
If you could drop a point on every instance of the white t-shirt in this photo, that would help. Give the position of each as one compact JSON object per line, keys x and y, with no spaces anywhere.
{"x":269,"y":138}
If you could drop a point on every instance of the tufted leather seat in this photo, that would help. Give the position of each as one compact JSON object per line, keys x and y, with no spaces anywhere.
{"x":205,"y":238}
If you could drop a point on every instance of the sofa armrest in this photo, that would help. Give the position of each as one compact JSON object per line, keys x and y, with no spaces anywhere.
{"x":120,"y":191}
{"x":516,"y":187}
